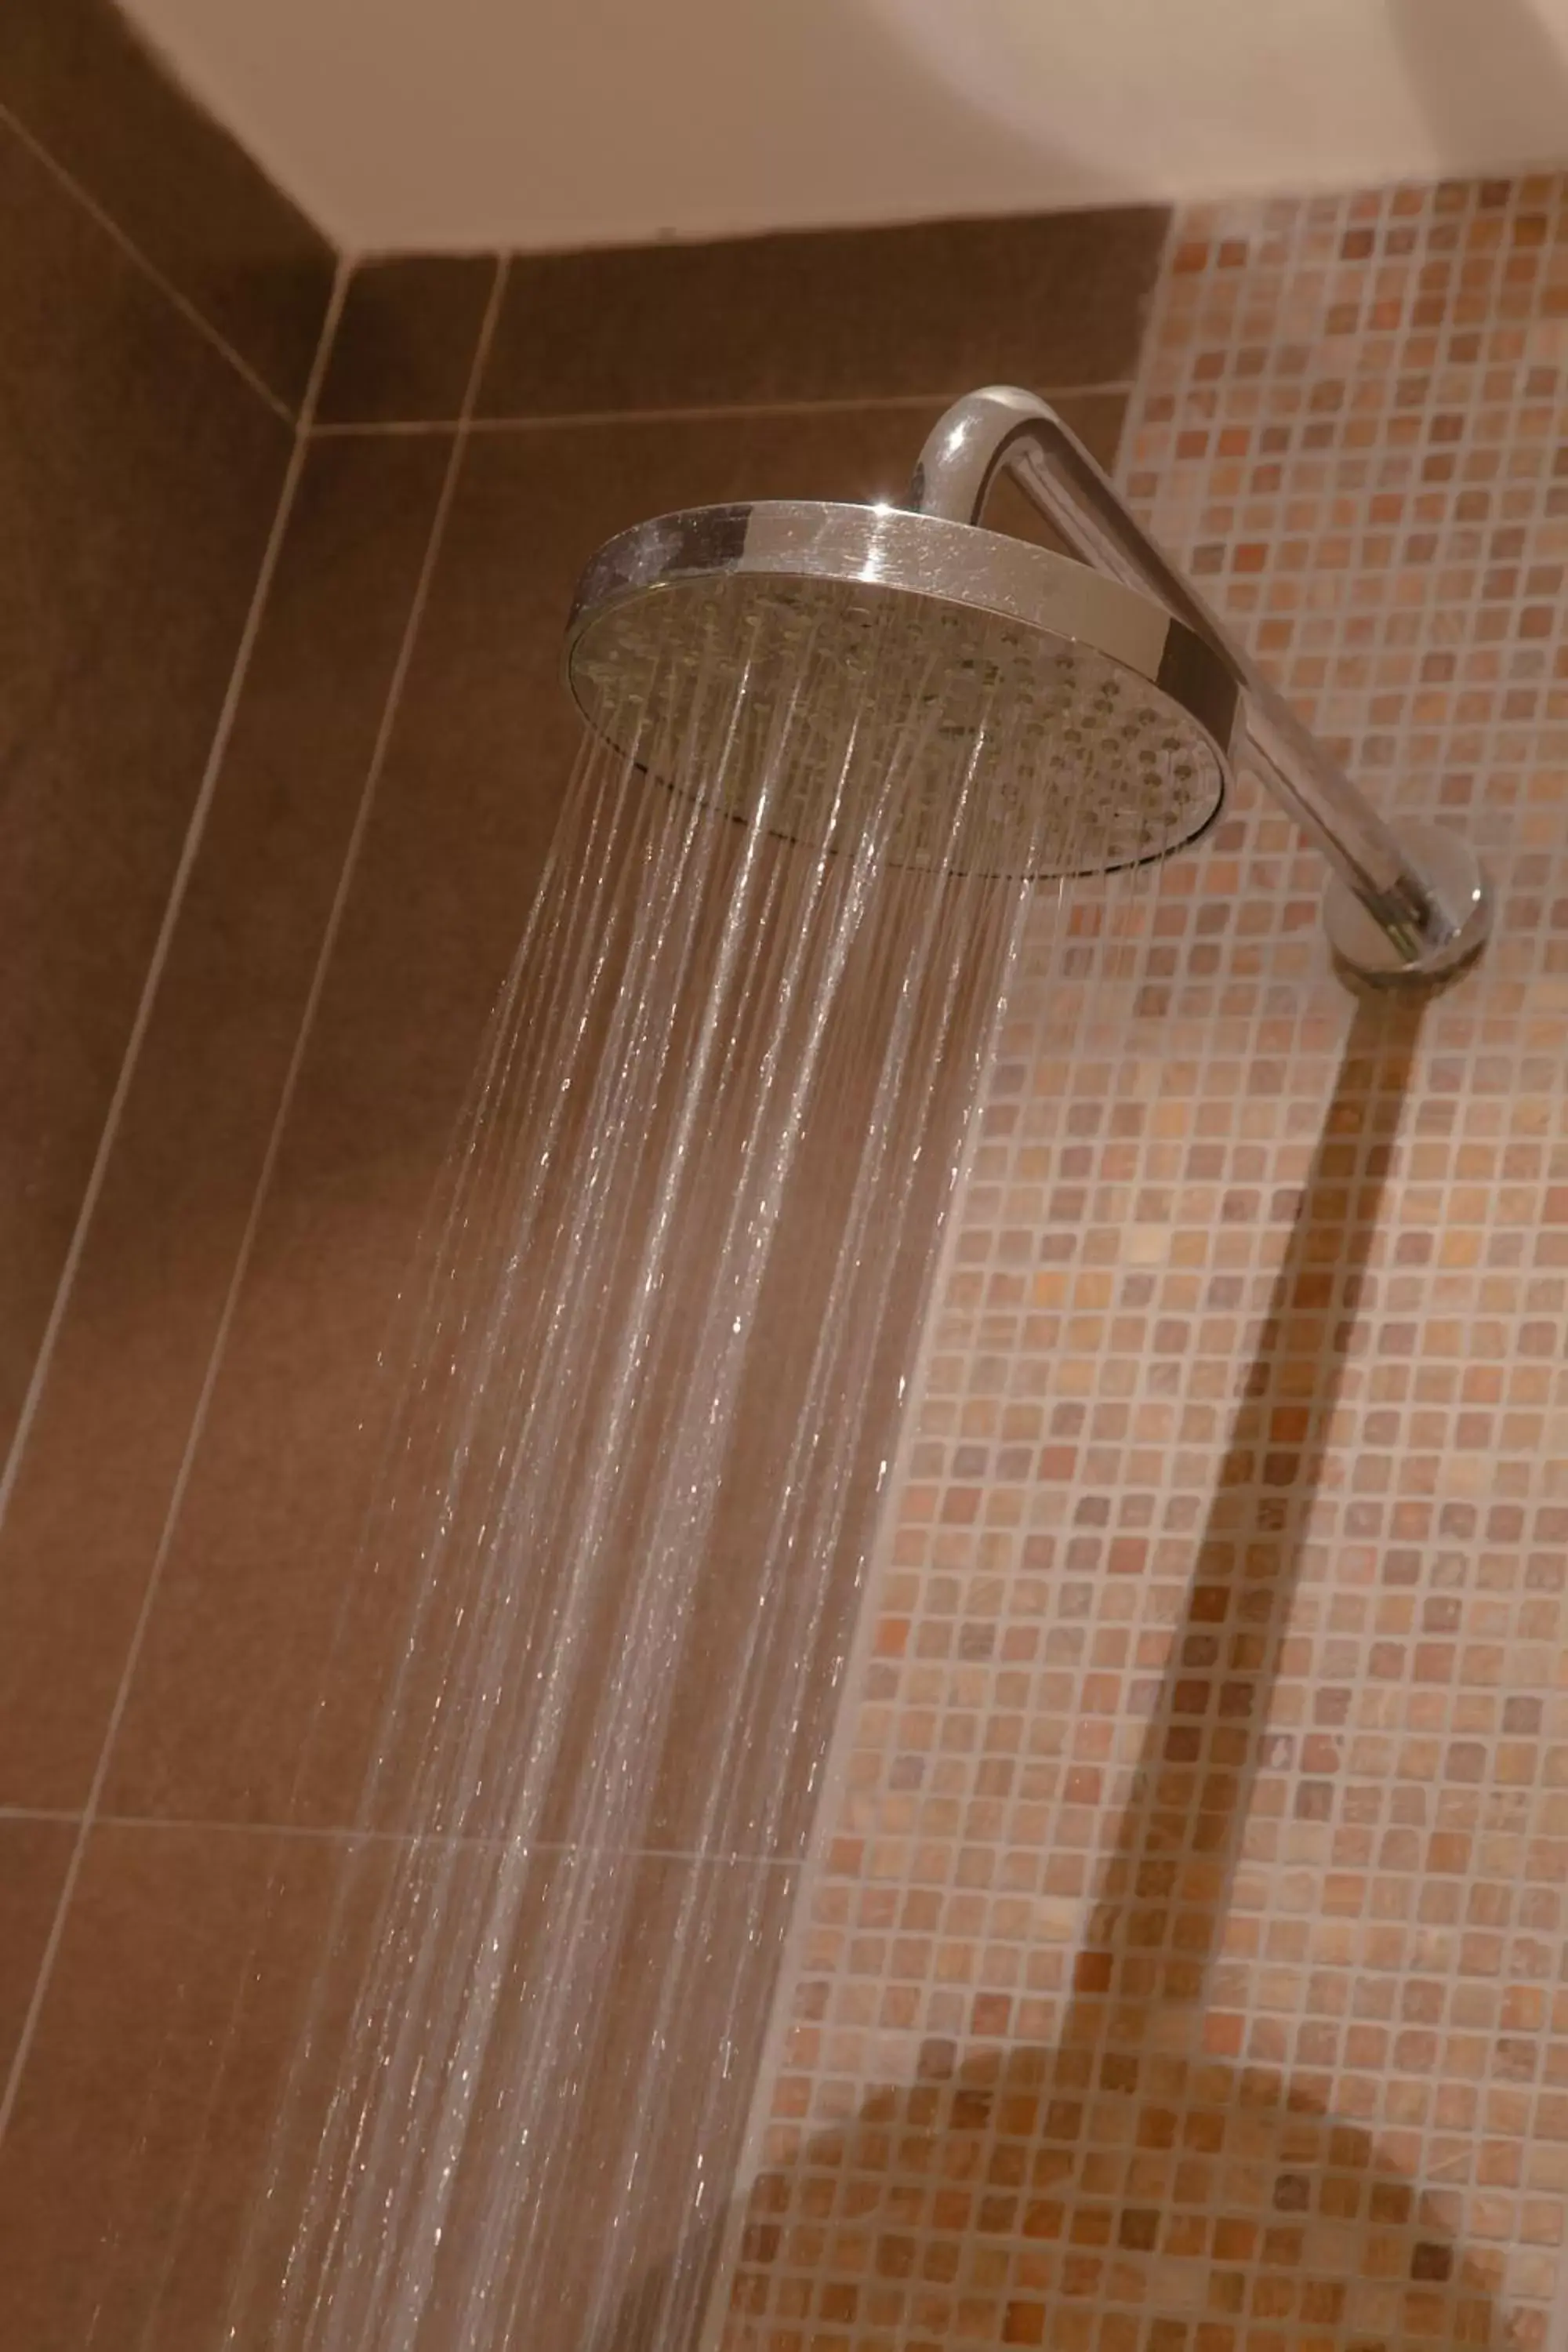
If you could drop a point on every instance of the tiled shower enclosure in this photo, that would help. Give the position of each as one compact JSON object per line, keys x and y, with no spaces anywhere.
{"x":1179,"y":1962}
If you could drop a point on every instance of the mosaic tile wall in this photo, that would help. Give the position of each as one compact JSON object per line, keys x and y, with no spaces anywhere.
{"x":1184,"y":1968}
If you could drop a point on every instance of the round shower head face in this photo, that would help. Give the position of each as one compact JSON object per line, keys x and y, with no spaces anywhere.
{"x":983,"y":706}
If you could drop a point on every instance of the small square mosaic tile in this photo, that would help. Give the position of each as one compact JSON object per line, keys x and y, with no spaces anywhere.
{"x":1183,"y":1963}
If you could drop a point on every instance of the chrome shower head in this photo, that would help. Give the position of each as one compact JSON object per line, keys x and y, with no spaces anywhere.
{"x":1087,"y":728}
{"x":1035,"y":714}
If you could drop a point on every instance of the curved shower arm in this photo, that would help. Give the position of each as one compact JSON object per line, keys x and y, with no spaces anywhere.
{"x":1433,"y":912}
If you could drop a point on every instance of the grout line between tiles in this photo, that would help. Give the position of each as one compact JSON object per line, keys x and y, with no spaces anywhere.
{"x":345,"y":1834}
{"x":720,"y":413}
{"x":187,"y":309}
{"x":195,"y":831}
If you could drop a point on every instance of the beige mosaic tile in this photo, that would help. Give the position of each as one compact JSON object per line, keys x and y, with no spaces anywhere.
{"x":1183,"y":1969}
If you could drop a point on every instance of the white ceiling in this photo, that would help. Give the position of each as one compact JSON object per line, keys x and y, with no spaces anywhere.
{"x":460,"y":123}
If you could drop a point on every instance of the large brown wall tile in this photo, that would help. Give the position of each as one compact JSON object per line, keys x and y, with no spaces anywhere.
{"x":138,"y":480}
{"x":34,"y":1858}
{"x":136,"y":2152}
{"x":182,"y":191}
{"x":148,"y":2127}
{"x":85,"y":1522}
{"x":248,"y":1662}
{"x":405,"y":339}
{"x":869,"y":314}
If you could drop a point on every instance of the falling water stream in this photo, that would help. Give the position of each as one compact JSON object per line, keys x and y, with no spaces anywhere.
{"x":652,"y":1385}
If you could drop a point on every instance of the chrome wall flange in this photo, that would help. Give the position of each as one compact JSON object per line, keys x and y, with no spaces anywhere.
{"x":1458,"y":880}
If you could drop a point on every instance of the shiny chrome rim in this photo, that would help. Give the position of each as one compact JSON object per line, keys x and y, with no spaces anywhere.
{"x":925,"y":556}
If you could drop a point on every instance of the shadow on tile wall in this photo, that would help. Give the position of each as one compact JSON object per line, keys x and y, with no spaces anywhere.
{"x":1135,"y":2181}
{"x":1351,"y":421}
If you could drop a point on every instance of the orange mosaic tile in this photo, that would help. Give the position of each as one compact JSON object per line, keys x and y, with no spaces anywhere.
{"x":1183,"y":1967}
